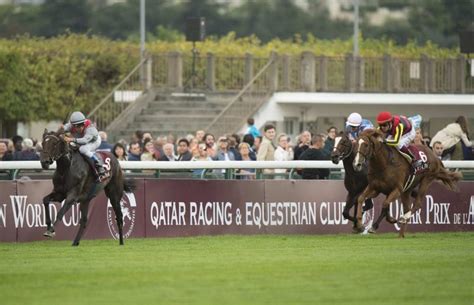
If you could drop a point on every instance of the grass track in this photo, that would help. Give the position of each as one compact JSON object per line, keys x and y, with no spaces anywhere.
{"x":332,"y":269}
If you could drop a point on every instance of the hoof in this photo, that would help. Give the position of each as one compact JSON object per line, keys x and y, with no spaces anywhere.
{"x":75,"y":244}
{"x":355,"y":230}
{"x":49,"y":234}
{"x":402,"y":220}
{"x":372,"y":230}
{"x":391,"y":220}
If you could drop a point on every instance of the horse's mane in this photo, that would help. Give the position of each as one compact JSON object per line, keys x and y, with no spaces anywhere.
{"x":372,"y":133}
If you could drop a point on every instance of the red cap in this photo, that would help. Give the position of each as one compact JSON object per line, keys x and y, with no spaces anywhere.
{"x":384,"y":117}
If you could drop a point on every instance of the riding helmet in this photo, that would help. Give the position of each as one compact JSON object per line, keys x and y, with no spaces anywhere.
{"x":354,"y":119}
{"x":384,"y":117}
{"x":77,"y":118}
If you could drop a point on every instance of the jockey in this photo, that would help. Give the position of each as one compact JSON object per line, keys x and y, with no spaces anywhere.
{"x":85,"y":134}
{"x":355,"y":125}
{"x":399,"y":131}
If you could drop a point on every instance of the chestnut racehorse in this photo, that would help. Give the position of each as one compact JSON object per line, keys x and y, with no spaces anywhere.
{"x":390,"y":173}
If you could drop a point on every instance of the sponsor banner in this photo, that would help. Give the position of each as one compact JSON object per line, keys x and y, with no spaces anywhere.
{"x":441,"y":210}
{"x":7,"y":228}
{"x":200,"y":207}
{"x":25,"y":213}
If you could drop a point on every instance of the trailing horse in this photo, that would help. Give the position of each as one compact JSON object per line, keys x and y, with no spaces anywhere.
{"x":75,"y":181}
{"x":354,"y":182}
{"x":391,"y":174}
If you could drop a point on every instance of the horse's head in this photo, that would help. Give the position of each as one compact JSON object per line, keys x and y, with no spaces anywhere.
{"x":342,"y":148}
{"x":54,"y":147}
{"x":365,"y":147}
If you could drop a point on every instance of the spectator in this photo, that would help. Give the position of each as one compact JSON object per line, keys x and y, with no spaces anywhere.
{"x":438,"y":149}
{"x":8,"y":156}
{"x":223,"y":153}
{"x":256,"y":143}
{"x":315,"y":152}
{"x":266,"y":152}
{"x":138,"y":137}
{"x":104,"y":145}
{"x":329,"y":141}
{"x":451,"y":135}
{"x":244,"y":150}
{"x":283,"y":152}
{"x":304,"y":141}
{"x":210,"y":141}
{"x":168,"y":153}
{"x":28,"y":152}
{"x":251,"y":129}
{"x":200,"y":135}
{"x":183,"y":150}
{"x":249,"y":139}
{"x":119,"y":152}
{"x":418,"y":140}
{"x":202,"y":156}
{"x":193,"y":147}
{"x":135,"y":151}
{"x":234,"y":141}
{"x":148,"y":151}
{"x":3,"y":150}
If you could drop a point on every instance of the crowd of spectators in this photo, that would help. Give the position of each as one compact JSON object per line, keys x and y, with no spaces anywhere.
{"x":450,"y":143}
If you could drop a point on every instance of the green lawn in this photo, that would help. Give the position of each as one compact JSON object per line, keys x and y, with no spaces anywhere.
{"x":335,"y":269}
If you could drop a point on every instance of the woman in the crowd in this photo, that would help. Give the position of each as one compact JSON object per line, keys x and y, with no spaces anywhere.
{"x":453,"y":137}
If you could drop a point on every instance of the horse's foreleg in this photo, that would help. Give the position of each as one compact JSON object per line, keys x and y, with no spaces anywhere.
{"x":386,"y":204}
{"x":70,"y":199}
{"x":350,"y":199}
{"x":367,"y":193}
{"x":53,"y":196}
{"x":84,"y":210}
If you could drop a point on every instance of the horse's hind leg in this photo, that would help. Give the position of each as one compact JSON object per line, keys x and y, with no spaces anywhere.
{"x":82,"y":223}
{"x":53,"y":196}
{"x":406,"y":207}
{"x":115,"y":198}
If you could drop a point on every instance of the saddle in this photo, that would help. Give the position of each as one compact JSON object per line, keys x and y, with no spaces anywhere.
{"x":417,"y":159}
{"x":104,"y":161}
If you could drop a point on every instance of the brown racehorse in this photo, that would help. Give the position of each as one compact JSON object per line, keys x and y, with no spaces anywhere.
{"x":388,"y":174}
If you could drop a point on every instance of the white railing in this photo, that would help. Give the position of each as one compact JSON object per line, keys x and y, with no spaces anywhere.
{"x":35,"y":165}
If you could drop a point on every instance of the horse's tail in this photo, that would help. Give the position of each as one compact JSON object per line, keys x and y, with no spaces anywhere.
{"x":449,"y":178}
{"x":129,"y":185}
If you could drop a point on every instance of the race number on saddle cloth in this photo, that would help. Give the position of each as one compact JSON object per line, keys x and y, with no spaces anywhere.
{"x":399,"y":132}
{"x":355,"y":124}
{"x":85,"y":134}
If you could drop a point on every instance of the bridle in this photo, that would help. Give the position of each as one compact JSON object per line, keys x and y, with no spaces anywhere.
{"x":343,"y":156}
{"x":60,"y":153}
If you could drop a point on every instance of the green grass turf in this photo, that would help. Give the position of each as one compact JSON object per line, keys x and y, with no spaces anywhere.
{"x":333,"y":269}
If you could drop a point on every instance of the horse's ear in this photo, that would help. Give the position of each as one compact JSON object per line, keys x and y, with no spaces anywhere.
{"x":45,"y":132}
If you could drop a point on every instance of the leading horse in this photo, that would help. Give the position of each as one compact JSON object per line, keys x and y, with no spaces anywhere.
{"x":74,"y":181}
{"x":354,"y":182}
{"x":391,"y":174}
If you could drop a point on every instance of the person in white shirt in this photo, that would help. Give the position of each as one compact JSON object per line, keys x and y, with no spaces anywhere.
{"x":283,"y":152}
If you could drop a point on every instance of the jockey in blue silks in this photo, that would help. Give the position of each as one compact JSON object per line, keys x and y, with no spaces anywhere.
{"x":355,"y":124}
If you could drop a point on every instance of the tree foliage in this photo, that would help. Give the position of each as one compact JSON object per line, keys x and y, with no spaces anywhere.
{"x":438,"y":21}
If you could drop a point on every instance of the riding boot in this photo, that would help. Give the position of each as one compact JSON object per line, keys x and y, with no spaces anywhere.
{"x":405,"y":150}
{"x":99,"y":166}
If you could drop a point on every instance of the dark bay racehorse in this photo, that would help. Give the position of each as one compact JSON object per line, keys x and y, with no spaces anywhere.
{"x":389,"y":173}
{"x":354,"y":182}
{"x":74,"y":181}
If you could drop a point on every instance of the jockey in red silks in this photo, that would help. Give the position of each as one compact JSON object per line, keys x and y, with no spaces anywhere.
{"x":399,"y":131}
{"x":85,"y":134}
